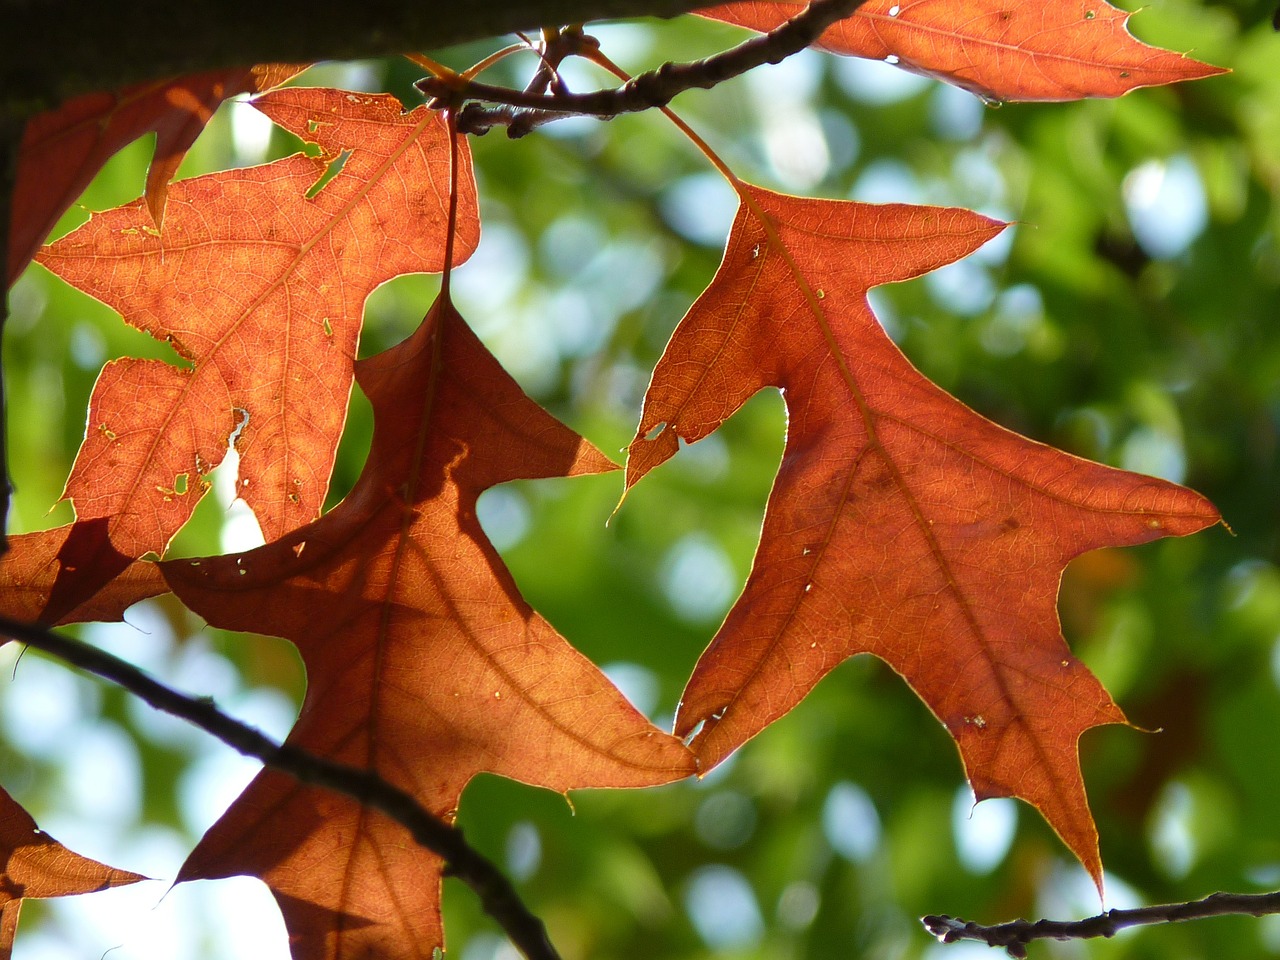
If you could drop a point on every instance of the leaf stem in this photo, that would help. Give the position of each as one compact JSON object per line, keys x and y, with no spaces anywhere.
{"x":1015,"y":935}
{"x":433,"y":67}
{"x":497,"y":896}
{"x":495,"y":57}
{"x":600,"y":60}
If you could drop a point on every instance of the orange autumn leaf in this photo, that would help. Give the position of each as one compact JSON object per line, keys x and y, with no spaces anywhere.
{"x":423,"y":661}
{"x":36,"y":865}
{"x":63,"y":149}
{"x":260,"y":287}
{"x":34,"y":575}
{"x":999,"y":50}
{"x":901,"y":523}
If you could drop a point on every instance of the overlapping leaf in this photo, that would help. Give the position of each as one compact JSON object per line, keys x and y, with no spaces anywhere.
{"x":36,"y":865}
{"x":997,"y":49}
{"x":33,"y":575}
{"x":423,"y":661}
{"x":260,"y":287}
{"x":901,"y":523}
{"x":63,"y":149}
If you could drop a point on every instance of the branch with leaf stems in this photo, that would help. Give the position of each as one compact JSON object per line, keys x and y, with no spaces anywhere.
{"x":1015,"y":936}
{"x":522,"y":110}
{"x":497,"y":896}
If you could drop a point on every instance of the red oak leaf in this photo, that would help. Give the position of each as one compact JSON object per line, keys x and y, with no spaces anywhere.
{"x":901,"y":523}
{"x":423,"y":661}
{"x":259,"y":286}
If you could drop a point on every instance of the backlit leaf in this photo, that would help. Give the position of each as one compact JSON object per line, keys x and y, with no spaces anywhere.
{"x":259,"y":287}
{"x":423,"y":661}
{"x":901,"y":523}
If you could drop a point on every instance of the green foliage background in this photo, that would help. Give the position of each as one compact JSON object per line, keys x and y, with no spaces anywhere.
{"x":844,"y":822}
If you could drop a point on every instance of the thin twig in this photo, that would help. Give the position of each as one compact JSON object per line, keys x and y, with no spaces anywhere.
{"x":656,"y":88}
{"x":495,"y":891}
{"x":1015,"y":936}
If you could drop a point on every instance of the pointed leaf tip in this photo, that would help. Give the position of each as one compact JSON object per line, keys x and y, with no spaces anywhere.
{"x":37,"y":866}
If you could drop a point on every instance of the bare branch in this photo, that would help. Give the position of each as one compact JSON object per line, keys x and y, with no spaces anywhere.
{"x":1015,"y":936}
{"x":463,"y":861}
{"x":655,"y":88}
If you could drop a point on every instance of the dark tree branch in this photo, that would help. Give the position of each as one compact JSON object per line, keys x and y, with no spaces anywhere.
{"x":656,"y":88}
{"x":1015,"y":936}
{"x":53,"y":49}
{"x":495,"y":891}
{"x":10,"y":138}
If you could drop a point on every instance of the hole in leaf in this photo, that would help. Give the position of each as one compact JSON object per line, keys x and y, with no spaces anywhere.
{"x":331,"y":171}
{"x":242,"y":421}
{"x":655,"y":431}
{"x":891,"y":58}
{"x":180,"y":484}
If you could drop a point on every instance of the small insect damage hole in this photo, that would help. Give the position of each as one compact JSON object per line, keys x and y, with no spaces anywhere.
{"x":332,"y":170}
{"x":242,"y":421}
{"x":895,"y":10}
{"x":655,"y":431}
{"x":181,"y":484}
